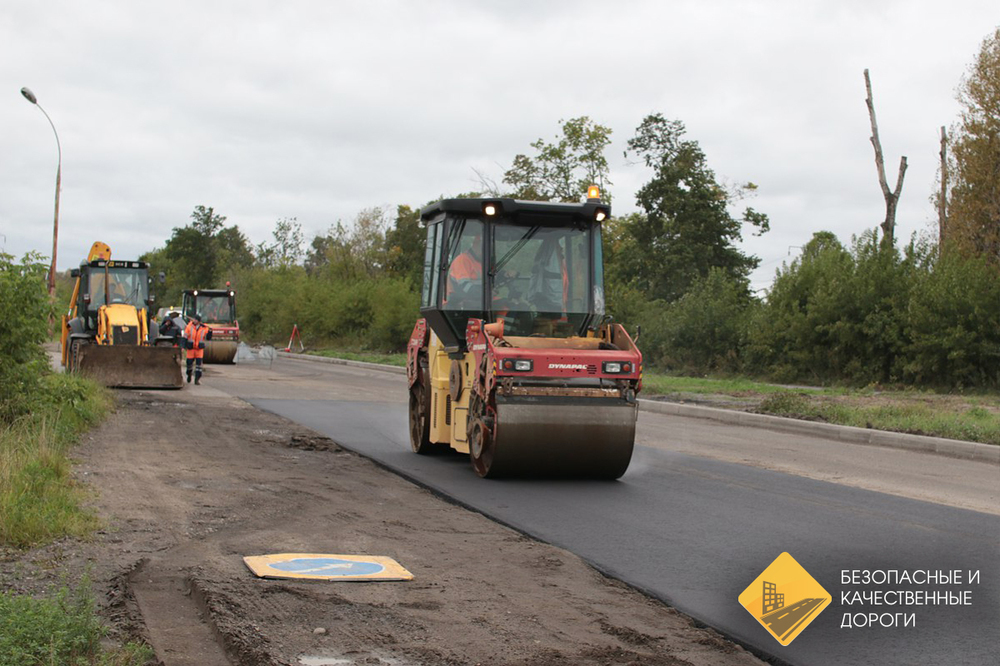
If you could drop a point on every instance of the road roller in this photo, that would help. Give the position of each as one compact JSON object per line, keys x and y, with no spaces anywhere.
{"x":218,"y":311}
{"x":514,"y":360}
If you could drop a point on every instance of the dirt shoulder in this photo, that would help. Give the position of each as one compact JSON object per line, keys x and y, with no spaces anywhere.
{"x":187,"y":483}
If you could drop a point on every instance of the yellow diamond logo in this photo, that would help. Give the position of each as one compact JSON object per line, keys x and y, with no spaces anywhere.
{"x":785,"y":599}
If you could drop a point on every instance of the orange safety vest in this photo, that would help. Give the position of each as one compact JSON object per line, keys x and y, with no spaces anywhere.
{"x":464,"y":267}
{"x":196,"y":334}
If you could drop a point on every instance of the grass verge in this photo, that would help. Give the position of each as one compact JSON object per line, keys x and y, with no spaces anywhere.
{"x":970,"y":418}
{"x":38,"y":499}
{"x":974,"y":418}
{"x":62,"y":630}
{"x":398,"y":360}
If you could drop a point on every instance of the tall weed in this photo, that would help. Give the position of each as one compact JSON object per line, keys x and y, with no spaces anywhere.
{"x":63,"y":630}
{"x":38,"y":499}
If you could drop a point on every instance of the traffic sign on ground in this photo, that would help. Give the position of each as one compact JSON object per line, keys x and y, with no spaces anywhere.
{"x":326,"y":567}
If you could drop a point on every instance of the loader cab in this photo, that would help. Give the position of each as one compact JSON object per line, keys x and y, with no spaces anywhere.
{"x":537,"y":266}
{"x":104,"y":282}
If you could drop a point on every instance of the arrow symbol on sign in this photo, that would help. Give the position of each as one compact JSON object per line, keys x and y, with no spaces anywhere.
{"x":344,"y":565}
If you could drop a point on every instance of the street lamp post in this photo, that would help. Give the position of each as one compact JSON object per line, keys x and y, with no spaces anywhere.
{"x":30,"y":96}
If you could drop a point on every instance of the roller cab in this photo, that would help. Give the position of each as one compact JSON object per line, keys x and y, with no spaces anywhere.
{"x":218,"y":311}
{"x":514,"y":361}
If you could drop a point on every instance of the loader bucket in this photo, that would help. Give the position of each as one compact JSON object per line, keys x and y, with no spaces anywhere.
{"x":222,"y":351}
{"x":128,"y":366}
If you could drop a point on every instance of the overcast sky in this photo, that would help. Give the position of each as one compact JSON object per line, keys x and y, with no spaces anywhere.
{"x":316,"y":110}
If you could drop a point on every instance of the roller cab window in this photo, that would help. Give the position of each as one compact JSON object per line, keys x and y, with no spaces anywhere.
{"x":541,"y":278}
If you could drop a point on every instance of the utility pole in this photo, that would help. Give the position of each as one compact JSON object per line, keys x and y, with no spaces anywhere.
{"x":943,"y":196}
{"x":30,"y":96}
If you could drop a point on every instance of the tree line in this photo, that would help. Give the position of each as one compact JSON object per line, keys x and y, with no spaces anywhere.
{"x":864,"y":311}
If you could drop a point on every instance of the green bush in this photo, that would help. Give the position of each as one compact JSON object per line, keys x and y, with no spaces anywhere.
{"x":703,"y":331}
{"x":785,"y":403}
{"x":63,"y":631}
{"x":25,"y":310}
{"x":393,"y":319}
{"x":953,"y":325}
{"x":799,"y":332}
{"x":838,"y":315}
{"x":358,"y":312}
{"x":859,"y":315}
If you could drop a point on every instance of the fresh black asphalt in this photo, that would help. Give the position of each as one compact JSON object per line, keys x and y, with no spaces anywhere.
{"x":696,"y":532}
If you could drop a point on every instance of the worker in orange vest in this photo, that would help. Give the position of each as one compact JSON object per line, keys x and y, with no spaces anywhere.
{"x":465,"y":275}
{"x":196,"y":334}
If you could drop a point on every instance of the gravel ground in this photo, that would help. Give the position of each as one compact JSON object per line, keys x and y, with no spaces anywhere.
{"x":188,"y":482}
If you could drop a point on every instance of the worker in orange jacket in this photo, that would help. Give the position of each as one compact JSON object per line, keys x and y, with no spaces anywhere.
{"x":465,"y":275}
{"x":196,"y":334}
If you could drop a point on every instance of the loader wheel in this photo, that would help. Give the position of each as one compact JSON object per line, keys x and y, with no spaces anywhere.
{"x":420,"y":422}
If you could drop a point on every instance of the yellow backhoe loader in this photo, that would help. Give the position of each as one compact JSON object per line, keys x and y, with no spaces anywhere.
{"x":106,"y":333}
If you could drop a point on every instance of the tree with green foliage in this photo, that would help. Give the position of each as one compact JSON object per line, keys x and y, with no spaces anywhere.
{"x":353,"y":252}
{"x":405,"y":243}
{"x":800,"y":332}
{"x":192,"y":249}
{"x":973,"y":212}
{"x":286,"y":248}
{"x":686,"y":227}
{"x":562,"y":170}
{"x":203,"y":254}
{"x":355,"y":288}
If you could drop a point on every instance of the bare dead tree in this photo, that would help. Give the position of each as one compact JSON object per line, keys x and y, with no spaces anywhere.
{"x":891,"y":196}
{"x":487,"y":185}
{"x":943,"y":196}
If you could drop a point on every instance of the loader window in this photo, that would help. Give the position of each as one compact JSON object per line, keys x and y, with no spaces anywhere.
{"x":118,"y":285}
{"x":95,"y":288}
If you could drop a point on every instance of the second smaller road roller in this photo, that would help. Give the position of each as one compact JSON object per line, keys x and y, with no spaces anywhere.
{"x":514,"y":361}
{"x":218,"y":310}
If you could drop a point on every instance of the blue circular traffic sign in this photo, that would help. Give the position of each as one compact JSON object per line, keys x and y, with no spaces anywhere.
{"x":327,"y":566}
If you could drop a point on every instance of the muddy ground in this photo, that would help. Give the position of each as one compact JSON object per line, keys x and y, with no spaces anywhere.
{"x":188,"y":482}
